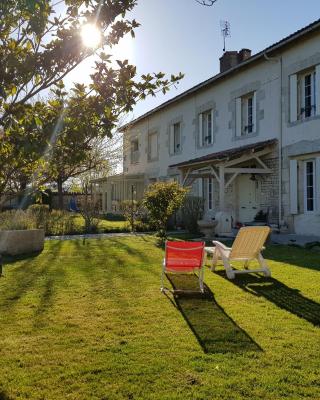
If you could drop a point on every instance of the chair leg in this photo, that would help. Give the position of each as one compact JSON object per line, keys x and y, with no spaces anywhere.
{"x":214,"y":260}
{"x":201,"y":274}
{"x":226,"y":263}
{"x":263,"y":265}
{"x":162,"y":278}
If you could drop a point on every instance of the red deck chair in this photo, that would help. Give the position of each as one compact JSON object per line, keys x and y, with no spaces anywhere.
{"x":184,"y":257}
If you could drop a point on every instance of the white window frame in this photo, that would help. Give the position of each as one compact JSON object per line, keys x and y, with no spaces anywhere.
{"x":302,"y":94}
{"x":305,"y":199}
{"x":174,"y":147}
{"x":150,"y":156}
{"x":210,"y":194}
{"x":206,"y":122}
{"x":134,"y":154}
{"x":248,"y":117}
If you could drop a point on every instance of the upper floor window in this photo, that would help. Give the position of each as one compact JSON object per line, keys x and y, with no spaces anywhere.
{"x":175,"y":138}
{"x":304,"y":94}
{"x":134,"y":151}
{"x":246,"y":115}
{"x":206,"y":128}
{"x":152,"y":146}
{"x":307,"y":93}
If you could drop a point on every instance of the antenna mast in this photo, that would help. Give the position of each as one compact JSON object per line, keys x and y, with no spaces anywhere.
{"x":225,"y":32}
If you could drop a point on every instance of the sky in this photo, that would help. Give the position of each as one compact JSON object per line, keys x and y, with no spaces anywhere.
{"x":183,"y":36}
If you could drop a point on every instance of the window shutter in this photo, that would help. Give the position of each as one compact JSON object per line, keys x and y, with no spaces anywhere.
{"x":238,"y":116}
{"x":293,"y":187}
{"x":211,"y":133}
{"x":293,"y":98}
{"x":171,"y":139}
{"x":200,"y":129}
{"x":254,"y":112}
{"x":317,"y":89}
{"x":317,"y":183}
{"x":200,"y":187}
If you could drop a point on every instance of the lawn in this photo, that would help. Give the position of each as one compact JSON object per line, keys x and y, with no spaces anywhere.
{"x":86,"y":320}
{"x":105,"y":225}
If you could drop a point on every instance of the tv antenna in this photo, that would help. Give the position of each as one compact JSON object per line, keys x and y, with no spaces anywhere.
{"x":225,"y":32}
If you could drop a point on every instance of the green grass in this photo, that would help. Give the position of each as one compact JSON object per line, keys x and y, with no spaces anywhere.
{"x":86,"y":320}
{"x":104,"y":225}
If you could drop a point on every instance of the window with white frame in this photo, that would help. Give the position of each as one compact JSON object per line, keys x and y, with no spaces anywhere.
{"x":246,"y":115}
{"x":210,"y":193}
{"x":175,"y":138}
{"x":153,"y":146}
{"x":134,"y":151}
{"x":206,"y":128}
{"x":309,"y":186}
{"x":305,"y":94}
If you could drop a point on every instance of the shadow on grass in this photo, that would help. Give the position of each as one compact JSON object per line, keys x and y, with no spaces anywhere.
{"x":215,"y":331}
{"x":4,"y":396}
{"x":293,"y":255}
{"x":281,"y":295}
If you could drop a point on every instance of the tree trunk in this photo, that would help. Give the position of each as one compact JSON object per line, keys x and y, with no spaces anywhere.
{"x":60,"y":194}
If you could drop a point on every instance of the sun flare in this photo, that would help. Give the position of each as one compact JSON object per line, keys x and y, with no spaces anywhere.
{"x":91,"y":36}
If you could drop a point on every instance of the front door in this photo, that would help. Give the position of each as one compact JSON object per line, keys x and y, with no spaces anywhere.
{"x":249,"y":198}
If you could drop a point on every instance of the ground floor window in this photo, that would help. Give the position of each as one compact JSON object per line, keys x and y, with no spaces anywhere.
{"x":309,"y":187}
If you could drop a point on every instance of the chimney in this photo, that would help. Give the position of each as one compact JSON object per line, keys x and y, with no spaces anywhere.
{"x":243,"y":55}
{"x":231,"y":59}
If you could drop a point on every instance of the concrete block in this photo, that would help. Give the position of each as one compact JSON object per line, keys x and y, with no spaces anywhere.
{"x":21,"y":241}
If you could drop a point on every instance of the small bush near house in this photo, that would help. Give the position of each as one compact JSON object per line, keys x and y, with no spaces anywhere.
{"x":133,"y":212}
{"x":17,"y":220}
{"x":115,"y":217}
{"x":161,"y":200}
{"x":192,"y":211}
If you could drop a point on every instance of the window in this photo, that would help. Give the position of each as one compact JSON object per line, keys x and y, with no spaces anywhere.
{"x":210,"y":193}
{"x":247,"y":124}
{"x":175,"y":138}
{"x":206,"y":128}
{"x":134,"y":151}
{"x":307,"y":94}
{"x":309,"y":186}
{"x":152,"y":146}
{"x":246,"y":115}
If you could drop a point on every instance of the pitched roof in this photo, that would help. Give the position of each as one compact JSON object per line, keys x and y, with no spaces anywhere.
{"x":226,"y":154}
{"x":270,"y":49}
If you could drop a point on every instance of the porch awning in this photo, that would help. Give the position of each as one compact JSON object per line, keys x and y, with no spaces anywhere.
{"x":226,"y":154}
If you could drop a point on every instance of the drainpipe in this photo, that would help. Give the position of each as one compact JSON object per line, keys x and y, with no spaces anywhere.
{"x":279,"y":59}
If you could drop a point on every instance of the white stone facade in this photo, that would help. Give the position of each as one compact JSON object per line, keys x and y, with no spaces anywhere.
{"x":272,"y":96}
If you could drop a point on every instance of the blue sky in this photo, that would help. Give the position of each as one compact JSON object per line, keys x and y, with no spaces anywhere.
{"x":181,"y":35}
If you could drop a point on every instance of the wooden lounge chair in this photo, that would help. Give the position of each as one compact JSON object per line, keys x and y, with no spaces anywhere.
{"x":247,"y":246}
{"x":184,"y":257}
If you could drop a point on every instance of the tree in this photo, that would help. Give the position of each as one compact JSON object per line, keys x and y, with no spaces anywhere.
{"x":162,"y":199}
{"x":207,"y":3}
{"x":38,"y":48}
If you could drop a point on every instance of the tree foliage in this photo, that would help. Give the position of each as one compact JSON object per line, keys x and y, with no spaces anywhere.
{"x":162,"y":199}
{"x":38,"y":49}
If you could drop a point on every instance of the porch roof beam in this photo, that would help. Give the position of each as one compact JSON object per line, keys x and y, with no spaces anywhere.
{"x":233,"y":177}
{"x":248,"y":170}
{"x":247,"y":156}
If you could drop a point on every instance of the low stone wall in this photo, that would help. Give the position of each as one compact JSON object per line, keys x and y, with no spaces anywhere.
{"x":21,"y":242}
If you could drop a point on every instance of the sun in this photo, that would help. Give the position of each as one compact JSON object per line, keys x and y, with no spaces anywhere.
{"x":91,"y":36}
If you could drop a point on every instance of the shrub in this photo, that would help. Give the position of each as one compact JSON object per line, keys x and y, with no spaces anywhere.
{"x":192,"y":211}
{"x":162,"y":199}
{"x":40,"y":212}
{"x":17,"y":220}
{"x":133,"y":212}
{"x":89,"y":211}
{"x":60,"y":222}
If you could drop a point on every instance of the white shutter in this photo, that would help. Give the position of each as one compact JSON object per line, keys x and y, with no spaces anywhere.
{"x":171,"y":139}
{"x":200,"y":129}
{"x":317,"y":88}
{"x":200,"y":187}
{"x":293,"y":98}
{"x":293,"y":187}
{"x":238,"y":116}
{"x":317,"y":184}
{"x":254,"y":112}
{"x":211,"y":133}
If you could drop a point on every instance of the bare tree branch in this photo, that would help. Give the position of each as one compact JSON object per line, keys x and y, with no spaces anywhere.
{"x":207,"y":3}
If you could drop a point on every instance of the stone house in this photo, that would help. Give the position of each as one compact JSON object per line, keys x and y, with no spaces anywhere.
{"x":247,"y":140}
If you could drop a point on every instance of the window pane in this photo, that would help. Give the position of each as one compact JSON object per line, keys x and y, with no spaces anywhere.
{"x":310,"y":189}
{"x":176,"y":137}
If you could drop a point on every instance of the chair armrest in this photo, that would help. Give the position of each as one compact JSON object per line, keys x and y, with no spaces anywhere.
{"x":219,"y":244}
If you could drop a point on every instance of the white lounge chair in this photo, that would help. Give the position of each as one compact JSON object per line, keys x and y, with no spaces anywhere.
{"x":247,"y":246}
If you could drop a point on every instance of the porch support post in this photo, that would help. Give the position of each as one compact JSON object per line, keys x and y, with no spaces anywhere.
{"x":221,"y":188}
